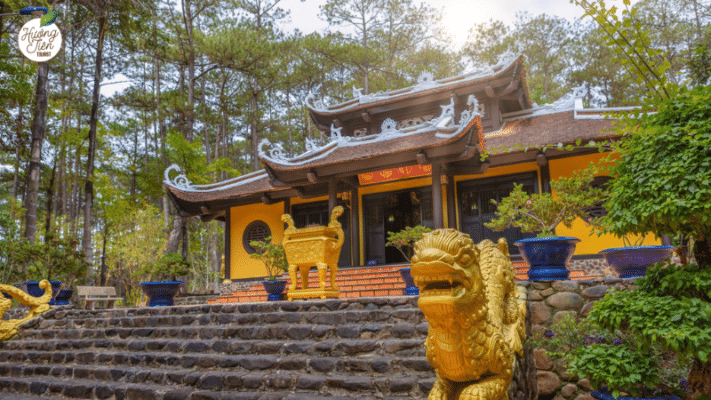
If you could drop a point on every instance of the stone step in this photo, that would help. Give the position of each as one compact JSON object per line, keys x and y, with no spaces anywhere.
{"x":225,"y":320}
{"x":233,"y":380}
{"x":379,"y":328}
{"x":311,"y":305}
{"x":214,"y":353}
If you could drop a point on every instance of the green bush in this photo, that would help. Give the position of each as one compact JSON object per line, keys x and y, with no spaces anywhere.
{"x":272,"y":255}
{"x":167,"y":267}
{"x":405,"y":240}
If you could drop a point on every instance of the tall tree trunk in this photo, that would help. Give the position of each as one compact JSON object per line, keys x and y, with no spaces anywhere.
{"x":89,"y":187}
{"x":50,"y":201}
{"x":18,"y":145}
{"x":39,"y":125}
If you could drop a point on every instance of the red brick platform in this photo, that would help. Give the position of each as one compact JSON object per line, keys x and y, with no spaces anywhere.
{"x":373,"y":281}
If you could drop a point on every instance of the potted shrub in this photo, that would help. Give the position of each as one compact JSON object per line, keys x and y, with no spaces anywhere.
{"x":274,"y":259}
{"x":162,"y":286}
{"x":404,"y":241}
{"x":58,"y":260}
{"x":548,"y":254}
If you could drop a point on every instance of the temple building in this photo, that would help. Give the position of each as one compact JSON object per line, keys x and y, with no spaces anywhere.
{"x":433,"y":154}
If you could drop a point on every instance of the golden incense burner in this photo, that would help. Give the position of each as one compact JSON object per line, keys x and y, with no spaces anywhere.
{"x":306,"y":247}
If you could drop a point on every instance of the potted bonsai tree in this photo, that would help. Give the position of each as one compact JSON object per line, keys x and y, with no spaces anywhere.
{"x":274,"y":259}
{"x":548,"y":254}
{"x":404,"y":241}
{"x":163,"y":286}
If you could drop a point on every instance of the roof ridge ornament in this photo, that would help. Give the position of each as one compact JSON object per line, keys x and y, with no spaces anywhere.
{"x":276,"y":151}
{"x":426,"y":78}
{"x":388,"y":126}
{"x":336,"y":133}
{"x":180,"y":182}
{"x":313,"y":103}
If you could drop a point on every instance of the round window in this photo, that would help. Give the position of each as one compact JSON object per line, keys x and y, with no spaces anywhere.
{"x":257,"y":230}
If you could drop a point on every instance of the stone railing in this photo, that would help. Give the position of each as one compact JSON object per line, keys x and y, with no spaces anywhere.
{"x":549,"y":302}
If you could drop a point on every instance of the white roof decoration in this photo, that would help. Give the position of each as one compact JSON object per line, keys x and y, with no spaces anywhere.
{"x":425,"y":81}
{"x":181,"y":181}
{"x":444,"y":126}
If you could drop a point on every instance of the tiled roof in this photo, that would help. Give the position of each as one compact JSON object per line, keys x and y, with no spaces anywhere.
{"x":424,"y":88}
{"x":549,"y":129}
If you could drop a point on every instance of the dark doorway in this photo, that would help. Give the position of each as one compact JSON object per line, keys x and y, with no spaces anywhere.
{"x":393,"y":212}
{"x":476,"y":208}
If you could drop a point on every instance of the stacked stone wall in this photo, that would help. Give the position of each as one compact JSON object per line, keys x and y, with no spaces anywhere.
{"x":549,"y":302}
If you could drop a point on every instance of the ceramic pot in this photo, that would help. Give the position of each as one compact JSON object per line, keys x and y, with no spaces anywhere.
{"x":410,"y":288}
{"x":633,"y":261}
{"x":161,"y":293}
{"x":604,"y":395}
{"x":33,"y":289}
{"x":275,"y":290}
{"x":63,"y":297}
{"x":547,"y":257}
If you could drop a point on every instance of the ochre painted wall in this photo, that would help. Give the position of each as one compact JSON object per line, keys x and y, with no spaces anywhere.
{"x":589,"y":243}
{"x":241,"y":265}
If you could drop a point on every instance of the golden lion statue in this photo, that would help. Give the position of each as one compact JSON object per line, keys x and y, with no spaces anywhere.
{"x":476,"y":321}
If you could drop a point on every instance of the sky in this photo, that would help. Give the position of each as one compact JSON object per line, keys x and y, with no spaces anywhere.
{"x":458,"y":16}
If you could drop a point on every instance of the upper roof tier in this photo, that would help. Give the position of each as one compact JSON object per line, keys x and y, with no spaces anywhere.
{"x":504,"y":81}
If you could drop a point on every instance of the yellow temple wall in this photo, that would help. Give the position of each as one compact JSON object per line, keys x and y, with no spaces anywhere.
{"x":589,"y":243}
{"x":241,"y":264}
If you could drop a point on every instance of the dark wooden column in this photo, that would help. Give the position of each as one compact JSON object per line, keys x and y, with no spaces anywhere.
{"x":287,"y":208}
{"x":437,"y":214}
{"x":227,"y":245}
{"x":355,"y":228}
{"x":332,"y":200}
{"x":451,"y":207}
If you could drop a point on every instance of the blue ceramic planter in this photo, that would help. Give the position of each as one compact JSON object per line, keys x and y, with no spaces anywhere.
{"x":630,"y":262}
{"x":63,"y":297}
{"x":275,"y":290}
{"x":603,"y":395}
{"x":547,"y":256}
{"x":161,"y":293}
{"x":33,"y":289}
{"x":410,"y":288}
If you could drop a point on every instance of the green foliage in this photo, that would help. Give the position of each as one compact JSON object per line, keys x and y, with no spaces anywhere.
{"x":544,"y":211}
{"x":662,"y":180}
{"x":15,"y":251}
{"x":57,"y":259}
{"x":405,"y":240}
{"x":609,"y":358}
{"x":272,"y":255}
{"x":166,"y":267}
{"x":668,"y":313}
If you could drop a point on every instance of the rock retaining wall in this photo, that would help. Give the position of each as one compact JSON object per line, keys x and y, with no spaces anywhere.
{"x":550,"y":301}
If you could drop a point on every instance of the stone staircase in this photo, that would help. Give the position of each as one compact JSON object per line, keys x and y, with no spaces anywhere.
{"x":317,"y":349}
